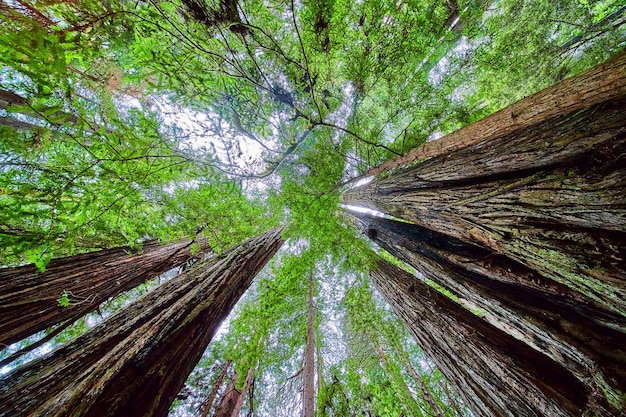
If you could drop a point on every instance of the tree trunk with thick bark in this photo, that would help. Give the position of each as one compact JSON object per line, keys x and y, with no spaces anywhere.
{"x":496,"y":374}
{"x":308,"y":391}
{"x":29,"y":298}
{"x":572,"y":330}
{"x":602,"y":83}
{"x":135,"y":362}
{"x":551,"y":196}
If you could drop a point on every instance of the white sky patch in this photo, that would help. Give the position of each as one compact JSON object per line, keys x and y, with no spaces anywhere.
{"x":363,"y":181}
{"x":437,"y":74}
{"x":364,"y":210}
{"x":434,"y":136}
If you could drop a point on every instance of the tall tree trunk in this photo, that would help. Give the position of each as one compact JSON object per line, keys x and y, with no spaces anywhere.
{"x":421,"y":386}
{"x":206,"y":407}
{"x":244,"y":392}
{"x":551,"y":196}
{"x":135,"y":362}
{"x":28,"y":297}
{"x":229,"y":399}
{"x":600,"y":84}
{"x":572,"y":330}
{"x":496,"y":374}
{"x":308,"y":391}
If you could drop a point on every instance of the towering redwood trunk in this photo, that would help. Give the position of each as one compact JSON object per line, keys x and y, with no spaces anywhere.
{"x":572,"y":330}
{"x":135,"y":362}
{"x":28,"y":298}
{"x":551,"y":196}
{"x":308,"y":391}
{"x":206,"y":407}
{"x":596,"y":85}
{"x":496,"y":374}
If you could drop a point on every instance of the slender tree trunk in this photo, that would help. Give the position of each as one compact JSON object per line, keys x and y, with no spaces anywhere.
{"x":308,"y":392}
{"x":135,"y":362}
{"x":426,"y":395}
{"x":496,"y":374}
{"x":229,"y":400}
{"x":244,"y":392}
{"x":551,"y":196}
{"x":574,"y":331}
{"x":423,"y":389}
{"x":206,"y":407}
{"x":28,"y":297}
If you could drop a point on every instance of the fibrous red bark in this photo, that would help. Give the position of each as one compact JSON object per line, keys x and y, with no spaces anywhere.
{"x":599,"y":84}
{"x":551,"y":196}
{"x":28,"y":297}
{"x":496,"y":374}
{"x":135,"y":362}
{"x":562,"y":324}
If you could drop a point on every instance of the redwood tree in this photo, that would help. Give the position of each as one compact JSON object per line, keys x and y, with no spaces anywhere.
{"x":135,"y":362}
{"x":29,"y":298}
{"x":571,"y":329}
{"x":549,"y":192}
{"x":496,"y":374}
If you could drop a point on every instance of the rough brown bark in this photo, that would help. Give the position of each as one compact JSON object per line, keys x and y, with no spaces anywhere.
{"x":28,"y":298}
{"x":552,"y":197}
{"x":244,"y":392}
{"x":496,"y":374}
{"x":308,"y":391}
{"x":228,"y":400}
{"x":206,"y":407}
{"x":135,"y":362}
{"x":552,"y":319}
{"x":602,"y":83}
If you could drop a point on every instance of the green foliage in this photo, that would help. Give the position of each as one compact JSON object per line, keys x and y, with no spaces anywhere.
{"x":64,"y":300}
{"x":287,"y":100}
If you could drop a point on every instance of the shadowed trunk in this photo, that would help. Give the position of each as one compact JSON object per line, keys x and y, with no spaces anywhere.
{"x":496,"y":374}
{"x":551,"y":318}
{"x":229,"y":399}
{"x":308,"y":390}
{"x":552,"y":197}
{"x":135,"y":362}
{"x":28,"y":298}
{"x":244,"y":392}
{"x":206,"y":407}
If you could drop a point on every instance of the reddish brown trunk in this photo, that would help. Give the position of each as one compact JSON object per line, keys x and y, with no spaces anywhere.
{"x":244,"y":392}
{"x":602,"y":83}
{"x":28,"y":298}
{"x":229,"y":400}
{"x":206,"y":407}
{"x":135,"y":362}
{"x":496,"y":374}
{"x":308,"y":391}
{"x":550,"y":196}
{"x":562,"y":324}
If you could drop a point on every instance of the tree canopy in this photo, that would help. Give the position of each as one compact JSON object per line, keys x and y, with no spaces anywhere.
{"x":128,"y":121}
